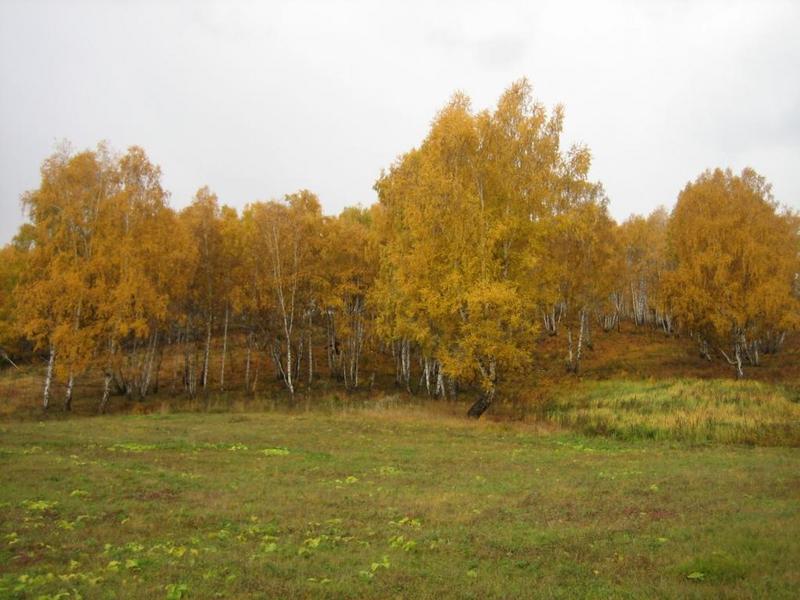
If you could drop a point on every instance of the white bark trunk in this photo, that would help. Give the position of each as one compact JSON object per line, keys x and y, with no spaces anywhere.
{"x":224,"y":351}
{"x":207,"y":353}
{"x":406,"y":358}
{"x":287,"y":307}
{"x":7,"y":358}
{"x":440,"y":391}
{"x":68,"y":394}
{"x":247,"y":363}
{"x":148,"y":371}
{"x":106,"y":391}
{"x":581,"y":335}
{"x":288,"y":371}
{"x":310,"y":362}
{"x":574,"y":357}
{"x":48,"y":379}
{"x":738,"y":356}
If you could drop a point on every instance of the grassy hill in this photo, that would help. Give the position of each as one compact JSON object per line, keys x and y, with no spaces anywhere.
{"x":632,"y":355}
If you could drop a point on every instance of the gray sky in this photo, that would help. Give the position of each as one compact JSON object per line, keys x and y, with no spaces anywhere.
{"x":261,"y":99}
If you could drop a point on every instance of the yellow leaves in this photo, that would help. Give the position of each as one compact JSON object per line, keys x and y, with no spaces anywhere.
{"x":496,"y":325}
{"x":735,"y":255}
{"x":283,"y":251}
{"x":105,"y":255}
{"x":463,"y":214}
{"x":12,"y":265}
{"x":578,"y":249}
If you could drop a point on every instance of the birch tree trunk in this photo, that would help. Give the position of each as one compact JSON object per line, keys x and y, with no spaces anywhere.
{"x":751,"y":352}
{"x":310,"y":362}
{"x":332,"y":344}
{"x":406,"y":363}
{"x":4,"y":355}
{"x":156,"y":383}
{"x":224,"y":350}
{"x":773,"y":341}
{"x":427,"y":375}
{"x":440,"y":390}
{"x":486,"y":397}
{"x":570,"y":356}
{"x":207,"y":353}
{"x":736,"y":361}
{"x":255,"y":375}
{"x":398,"y":370}
{"x":550,"y":321}
{"x":176,"y":365}
{"x":704,"y":349}
{"x":48,"y":379}
{"x":192,"y":379}
{"x":288,"y":333}
{"x":68,"y":393}
{"x":574,"y":357}
{"x":359,"y":335}
{"x":299,"y":359}
{"x":580,"y":341}
{"x":247,"y":362}
{"x":287,"y":305}
{"x":188,"y":341}
{"x":106,"y":391}
{"x":148,"y":368}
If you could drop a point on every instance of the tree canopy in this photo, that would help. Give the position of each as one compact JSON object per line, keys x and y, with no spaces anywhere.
{"x":486,"y":238}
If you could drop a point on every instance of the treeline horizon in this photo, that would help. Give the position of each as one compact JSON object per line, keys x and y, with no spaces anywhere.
{"x":485,"y":237}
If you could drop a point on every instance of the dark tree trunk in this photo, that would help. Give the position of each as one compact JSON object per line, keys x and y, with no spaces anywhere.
{"x":481,"y":405}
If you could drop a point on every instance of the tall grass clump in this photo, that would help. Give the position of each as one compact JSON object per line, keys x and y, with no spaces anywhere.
{"x":698,"y":411}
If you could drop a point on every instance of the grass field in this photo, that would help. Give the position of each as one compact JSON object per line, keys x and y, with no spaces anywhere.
{"x":385,"y":504}
{"x":652,"y":475}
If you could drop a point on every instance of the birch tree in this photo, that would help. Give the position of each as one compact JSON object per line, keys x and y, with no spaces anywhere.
{"x":205,"y":295}
{"x":58,"y":296}
{"x":12,"y":265}
{"x":578,"y":249}
{"x":349,"y":266}
{"x":231,"y":272}
{"x":736,"y":263}
{"x":284,"y":247}
{"x":146,"y":259}
{"x":461,"y":253}
{"x":644,"y":249}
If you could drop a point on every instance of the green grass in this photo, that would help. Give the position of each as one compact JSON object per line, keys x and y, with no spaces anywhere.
{"x":692,"y":410}
{"x":389,"y":503}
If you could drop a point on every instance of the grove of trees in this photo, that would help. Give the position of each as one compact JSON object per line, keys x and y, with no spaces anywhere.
{"x":486,"y":237}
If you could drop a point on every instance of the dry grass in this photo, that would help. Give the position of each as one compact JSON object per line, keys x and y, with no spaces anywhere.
{"x":698,"y":411}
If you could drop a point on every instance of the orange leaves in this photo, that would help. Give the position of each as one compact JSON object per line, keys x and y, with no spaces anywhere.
{"x":735,"y":258}
{"x":104,"y":249}
{"x":462,"y":263}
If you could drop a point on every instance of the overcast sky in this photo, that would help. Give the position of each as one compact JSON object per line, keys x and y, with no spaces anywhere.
{"x":260,"y":99}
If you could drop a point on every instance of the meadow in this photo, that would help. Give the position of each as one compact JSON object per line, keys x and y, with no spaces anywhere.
{"x":386,"y":503}
{"x":627,"y":482}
